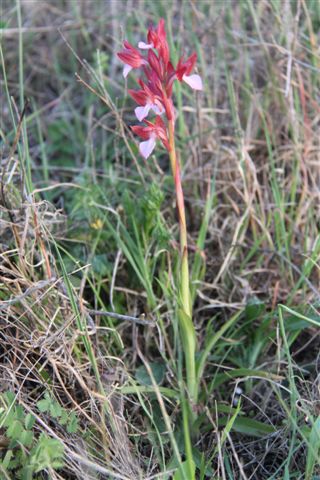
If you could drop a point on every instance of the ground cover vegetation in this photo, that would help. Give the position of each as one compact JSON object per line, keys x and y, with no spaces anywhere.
{"x":93,"y":378}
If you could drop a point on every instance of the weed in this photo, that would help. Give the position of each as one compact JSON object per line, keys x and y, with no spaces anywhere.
{"x":27,"y":455}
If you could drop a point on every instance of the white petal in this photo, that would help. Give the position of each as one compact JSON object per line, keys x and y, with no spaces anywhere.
{"x":126,"y":70}
{"x":194,"y":81}
{"x":142,"y":112}
{"x":146,"y":148}
{"x":145,"y":46}
{"x":157,"y":110}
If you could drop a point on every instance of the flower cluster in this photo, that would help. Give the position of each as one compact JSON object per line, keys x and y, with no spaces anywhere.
{"x":155,"y":93}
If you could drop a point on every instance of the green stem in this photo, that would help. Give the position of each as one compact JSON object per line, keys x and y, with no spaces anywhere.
{"x":185,"y":313}
{"x":175,"y":166}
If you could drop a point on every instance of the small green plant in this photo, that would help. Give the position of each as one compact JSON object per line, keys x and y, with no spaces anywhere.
{"x":54,"y":409}
{"x":26,"y":454}
{"x":17,"y":424}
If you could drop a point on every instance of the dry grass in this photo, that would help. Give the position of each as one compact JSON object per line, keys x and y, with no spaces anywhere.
{"x":42,"y":350}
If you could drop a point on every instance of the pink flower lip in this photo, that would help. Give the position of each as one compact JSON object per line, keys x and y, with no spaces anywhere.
{"x":147,"y":147}
{"x":142,"y":112}
{"x":126,"y":69}
{"x":145,"y":46}
{"x":194,"y":81}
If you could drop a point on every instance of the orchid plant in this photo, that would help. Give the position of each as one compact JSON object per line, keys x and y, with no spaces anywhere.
{"x":157,"y":76}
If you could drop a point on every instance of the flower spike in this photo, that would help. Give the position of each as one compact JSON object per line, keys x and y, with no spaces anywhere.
{"x":155,"y":94}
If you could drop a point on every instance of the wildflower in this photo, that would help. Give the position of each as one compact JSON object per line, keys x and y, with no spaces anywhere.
{"x":131,"y":58}
{"x":97,"y":224}
{"x":150,"y":133}
{"x":148,"y":98}
{"x":155,"y":93}
{"x":184,"y":69}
